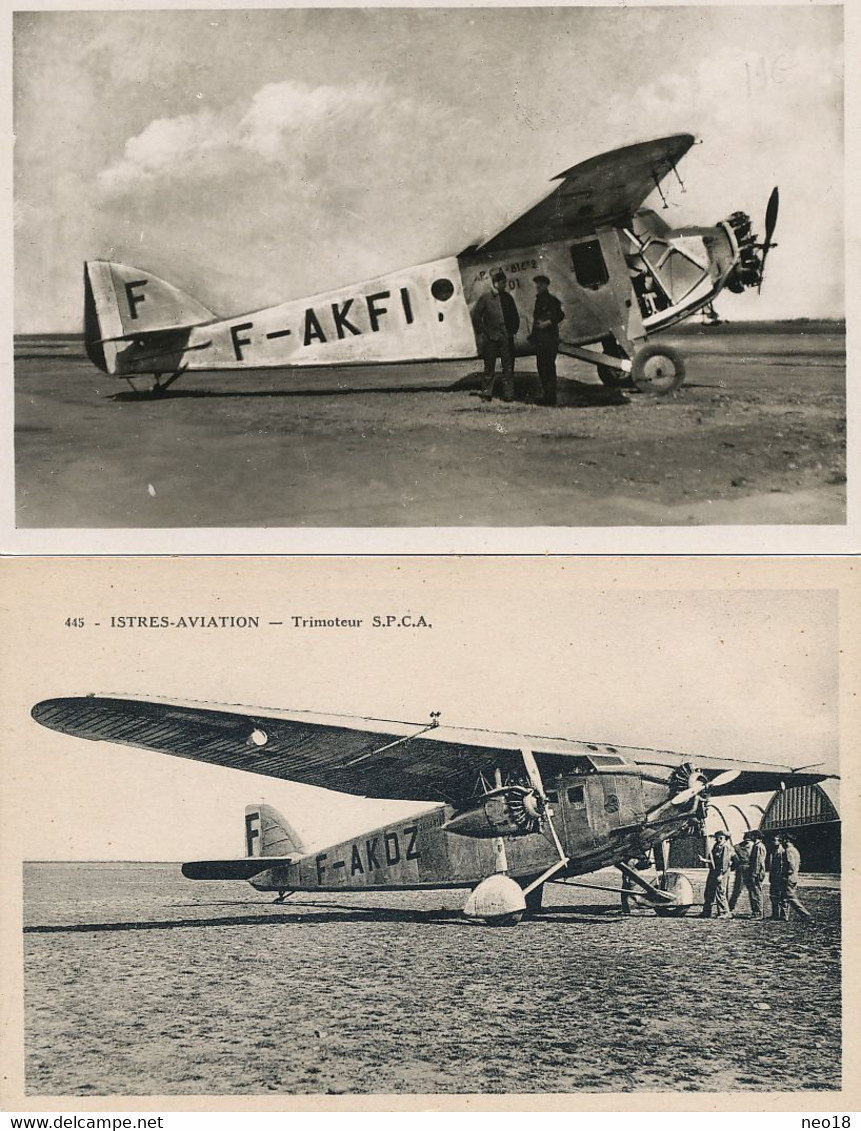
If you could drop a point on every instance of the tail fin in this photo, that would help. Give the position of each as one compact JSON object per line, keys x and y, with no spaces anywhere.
{"x":267,"y":833}
{"x":123,"y":304}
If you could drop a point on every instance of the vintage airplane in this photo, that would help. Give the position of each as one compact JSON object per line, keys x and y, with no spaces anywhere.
{"x":510,"y":812}
{"x":621,"y":272}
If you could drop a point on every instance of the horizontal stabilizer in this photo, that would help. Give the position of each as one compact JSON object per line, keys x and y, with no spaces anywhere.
{"x":243,"y":869}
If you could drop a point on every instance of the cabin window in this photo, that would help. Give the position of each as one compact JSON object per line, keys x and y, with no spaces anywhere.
{"x":575,"y":796}
{"x":590,"y":270}
{"x":552,"y":796}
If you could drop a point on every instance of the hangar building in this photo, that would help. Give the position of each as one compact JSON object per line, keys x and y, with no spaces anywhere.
{"x":811,"y":815}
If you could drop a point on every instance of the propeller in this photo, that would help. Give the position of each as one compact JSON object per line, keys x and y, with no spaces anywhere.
{"x":534,"y":775}
{"x":701,"y":785}
{"x":770,"y":224}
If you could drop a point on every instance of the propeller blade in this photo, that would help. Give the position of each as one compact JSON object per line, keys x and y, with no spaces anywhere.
{"x":685,"y":796}
{"x":771,"y":211}
{"x":695,"y":791}
{"x":725,"y":778}
{"x":534,"y":775}
{"x":532,"y":771}
{"x":771,"y":214}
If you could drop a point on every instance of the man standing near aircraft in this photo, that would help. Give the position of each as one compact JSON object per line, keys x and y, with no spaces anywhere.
{"x":719,"y":861}
{"x":791,"y":870}
{"x":776,"y":878}
{"x":755,"y":873}
{"x":546,"y":317}
{"x":496,"y":321}
{"x":740,"y":862}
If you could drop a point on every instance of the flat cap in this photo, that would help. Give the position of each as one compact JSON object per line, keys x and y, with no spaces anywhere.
{"x":541,"y":279}
{"x":497,"y":274}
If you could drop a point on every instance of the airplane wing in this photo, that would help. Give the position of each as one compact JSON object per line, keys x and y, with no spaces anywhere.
{"x":604,"y":190}
{"x":366,"y":757}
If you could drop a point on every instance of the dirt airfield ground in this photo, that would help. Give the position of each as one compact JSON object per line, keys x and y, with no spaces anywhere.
{"x":138,"y":982}
{"x":756,"y":435}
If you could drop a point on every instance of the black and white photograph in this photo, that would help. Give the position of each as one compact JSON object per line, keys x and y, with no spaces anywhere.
{"x":372,"y":268}
{"x":430,"y":827}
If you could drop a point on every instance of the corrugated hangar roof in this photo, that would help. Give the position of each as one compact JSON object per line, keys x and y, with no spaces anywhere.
{"x":805,"y":805}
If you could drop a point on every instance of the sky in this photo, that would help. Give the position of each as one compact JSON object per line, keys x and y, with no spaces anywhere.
{"x":697,"y":659}
{"x":250,"y":157}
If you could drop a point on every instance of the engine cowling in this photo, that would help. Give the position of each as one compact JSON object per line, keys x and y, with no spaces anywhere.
{"x":514,"y":810}
{"x":748,"y":270}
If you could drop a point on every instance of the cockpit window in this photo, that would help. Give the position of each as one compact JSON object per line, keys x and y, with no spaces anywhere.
{"x":575,"y":795}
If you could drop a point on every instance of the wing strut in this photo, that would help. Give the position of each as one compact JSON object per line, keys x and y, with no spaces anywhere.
{"x":432,"y":725}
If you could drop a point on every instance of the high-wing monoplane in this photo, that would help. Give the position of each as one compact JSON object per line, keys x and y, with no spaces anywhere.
{"x":507,"y":813}
{"x":621,"y":272}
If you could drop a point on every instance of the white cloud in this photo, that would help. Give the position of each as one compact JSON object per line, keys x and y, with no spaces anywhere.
{"x":280,"y":109}
{"x":268,"y":127}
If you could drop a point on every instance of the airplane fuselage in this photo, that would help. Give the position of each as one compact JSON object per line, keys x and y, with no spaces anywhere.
{"x":600,"y":818}
{"x":627,"y":283}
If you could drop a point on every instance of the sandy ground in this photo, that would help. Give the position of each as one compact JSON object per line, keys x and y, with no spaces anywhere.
{"x":141,"y":983}
{"x":756,"y":435}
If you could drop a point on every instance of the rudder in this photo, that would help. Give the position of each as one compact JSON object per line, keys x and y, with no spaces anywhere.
{"x":267,"y":833}
{"x":122,"y":304}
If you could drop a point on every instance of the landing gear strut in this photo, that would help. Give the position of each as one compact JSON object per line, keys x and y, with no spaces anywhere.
{"x":159,"y":387}
{"x":656,"y":368}
{"x":533,"y":900}
{"x":610,"y":376}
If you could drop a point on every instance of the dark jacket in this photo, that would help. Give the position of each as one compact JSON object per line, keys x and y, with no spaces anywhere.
{"x":548,"y":308}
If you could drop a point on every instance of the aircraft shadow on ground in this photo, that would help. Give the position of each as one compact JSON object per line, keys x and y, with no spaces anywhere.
{"x":451,"y":917}
{"x":226,"y":394}
{"x":573,"y":394}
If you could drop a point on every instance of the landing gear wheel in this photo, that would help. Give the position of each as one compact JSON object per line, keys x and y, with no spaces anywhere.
{"x":658,"y":370}
{"x":678,"y":885}
{"x":613,"y":378}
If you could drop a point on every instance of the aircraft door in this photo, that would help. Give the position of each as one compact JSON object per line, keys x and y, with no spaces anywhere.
{"x":572,"y":800}
{"x":621,"y":800}
{"x":598,"y":297}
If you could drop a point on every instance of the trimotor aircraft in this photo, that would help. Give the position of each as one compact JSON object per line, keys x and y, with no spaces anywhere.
{"x":621,"y":272}
{"x":508,"y":813}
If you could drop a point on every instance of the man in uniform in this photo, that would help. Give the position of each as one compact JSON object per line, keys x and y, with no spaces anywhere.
{"x":719,"y":861}
{"x":496,"y":321}
{"x":791,"y":870}
{"x":755,"y":874}
{"x":546,"y":317}
{"x":776,"y":877}
{"x":739,"y":864}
